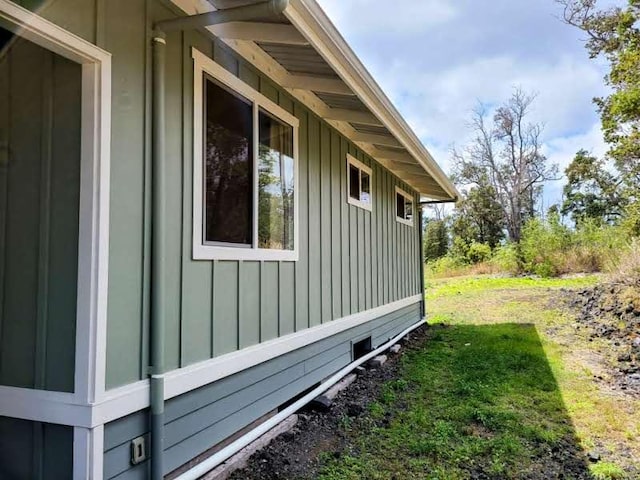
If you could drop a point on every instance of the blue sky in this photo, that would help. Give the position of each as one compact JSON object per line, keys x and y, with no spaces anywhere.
{"x":436,"y":59}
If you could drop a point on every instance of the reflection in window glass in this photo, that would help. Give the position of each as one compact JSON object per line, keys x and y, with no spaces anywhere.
{"x":408,"y":207}
{"x":354,"y":182}
{"x":275,"y":184}
{"x":400,"y":204}
{"x":365,"y":194}
{"x":228,"y":166}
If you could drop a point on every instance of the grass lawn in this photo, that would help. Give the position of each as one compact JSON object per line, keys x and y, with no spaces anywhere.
{"x":503,"y":389}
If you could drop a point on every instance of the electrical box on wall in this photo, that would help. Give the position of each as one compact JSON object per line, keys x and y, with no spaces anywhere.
{"x":138,"y":450}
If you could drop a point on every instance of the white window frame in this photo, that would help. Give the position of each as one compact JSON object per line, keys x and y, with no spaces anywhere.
{"x":362,"y":167}
{"x":202,"y":251}
{"x":409,"y":197}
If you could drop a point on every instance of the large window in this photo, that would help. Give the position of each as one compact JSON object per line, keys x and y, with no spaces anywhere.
{"x":404,"y":207}
{"x":245,"y":170}
{"x":359,"y":182}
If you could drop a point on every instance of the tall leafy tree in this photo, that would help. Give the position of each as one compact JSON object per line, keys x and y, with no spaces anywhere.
{"x":591,"y":191}
{"x":506,"y":155}
{"x":436,"y":239}
{"x":479,"y":217}
{"x":614,"y":33}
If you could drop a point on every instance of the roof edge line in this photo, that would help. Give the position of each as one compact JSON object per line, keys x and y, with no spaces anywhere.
{"x":322,"y":33}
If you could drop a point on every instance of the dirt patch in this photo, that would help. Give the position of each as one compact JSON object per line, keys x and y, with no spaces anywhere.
{"x":299,"y":453}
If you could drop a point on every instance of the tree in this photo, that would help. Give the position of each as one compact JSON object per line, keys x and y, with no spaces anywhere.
{"x":506,"y":155}
{"x":436,"y":240}
{"x":479,"y":217}
{"x":615,"y":34}
{"x":591,"y":191}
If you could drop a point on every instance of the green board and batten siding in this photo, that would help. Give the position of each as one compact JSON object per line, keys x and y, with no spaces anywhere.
{"x":40,"y":96}
{"x":221,"y":306}
{"x":34,"y":450}
{"x":351,"y":260}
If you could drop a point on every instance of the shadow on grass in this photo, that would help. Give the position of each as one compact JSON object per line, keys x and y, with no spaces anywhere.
{"x":473,"y":402}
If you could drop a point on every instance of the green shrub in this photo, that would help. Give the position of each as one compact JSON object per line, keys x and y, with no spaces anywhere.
{"x":444,"y":265}
{"x":506,"y":259}
{"x":631,"y":221}
{"x":550,"y":248}
{"x":478,"y":252}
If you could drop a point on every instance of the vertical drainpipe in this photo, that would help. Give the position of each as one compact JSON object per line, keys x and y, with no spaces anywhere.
{"x":423,"y":310}
{"x":158,"y":254}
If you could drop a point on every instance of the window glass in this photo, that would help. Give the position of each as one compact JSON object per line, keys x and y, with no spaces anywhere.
{"x":354,"y":182}
{"x":400,"y":204}
{"x":275,"y":184}
{"x":365,"y":194}
{"x":228,"y":166}
{"x":408,"y":207}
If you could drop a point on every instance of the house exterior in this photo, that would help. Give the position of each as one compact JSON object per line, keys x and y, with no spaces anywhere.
{"x":199,"y":221}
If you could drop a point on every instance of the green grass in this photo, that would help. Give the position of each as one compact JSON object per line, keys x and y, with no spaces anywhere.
{"x":607,"y":471}
{"x":466,"y":285}
{"x":480,"y":397}
{"x":491,"y":393}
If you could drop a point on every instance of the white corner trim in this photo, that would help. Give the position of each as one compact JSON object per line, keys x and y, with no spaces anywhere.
{"x":93,"y":241}
{"x":88,"y":453}
{"x":203,"y":64}
{"x":407,"y":196}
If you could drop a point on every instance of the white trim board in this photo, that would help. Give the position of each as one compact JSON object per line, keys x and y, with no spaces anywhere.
{"x":52,"y":407}
{"x":194,"y":376}
{"x":93,"y":245}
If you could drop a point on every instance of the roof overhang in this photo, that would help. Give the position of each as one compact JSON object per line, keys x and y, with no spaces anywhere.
{"x":303,"y":52}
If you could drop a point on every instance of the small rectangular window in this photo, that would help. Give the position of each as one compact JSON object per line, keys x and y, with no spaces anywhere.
{"x":359,"y":181}
{"x":404,"y":207}
{"x":245,"y":170}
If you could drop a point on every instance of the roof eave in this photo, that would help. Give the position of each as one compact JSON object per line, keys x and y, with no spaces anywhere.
{"x":317,"y":28}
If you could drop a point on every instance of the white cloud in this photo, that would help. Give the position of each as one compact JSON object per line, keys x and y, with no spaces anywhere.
{"x":437,"y":58}
{"x":400,"y":17}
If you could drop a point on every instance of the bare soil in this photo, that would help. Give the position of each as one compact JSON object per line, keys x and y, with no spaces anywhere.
{"x":299,"y":454}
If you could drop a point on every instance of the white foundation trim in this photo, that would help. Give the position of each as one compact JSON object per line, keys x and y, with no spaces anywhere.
{"x":194,"y":376}
{"x":63,"y":408}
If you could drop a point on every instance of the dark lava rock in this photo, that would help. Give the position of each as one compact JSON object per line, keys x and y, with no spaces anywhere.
{"x":321,"y":404}
{"x":593,"y":456}
{"x":604,"y":312}
{"x":355,"y":409}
